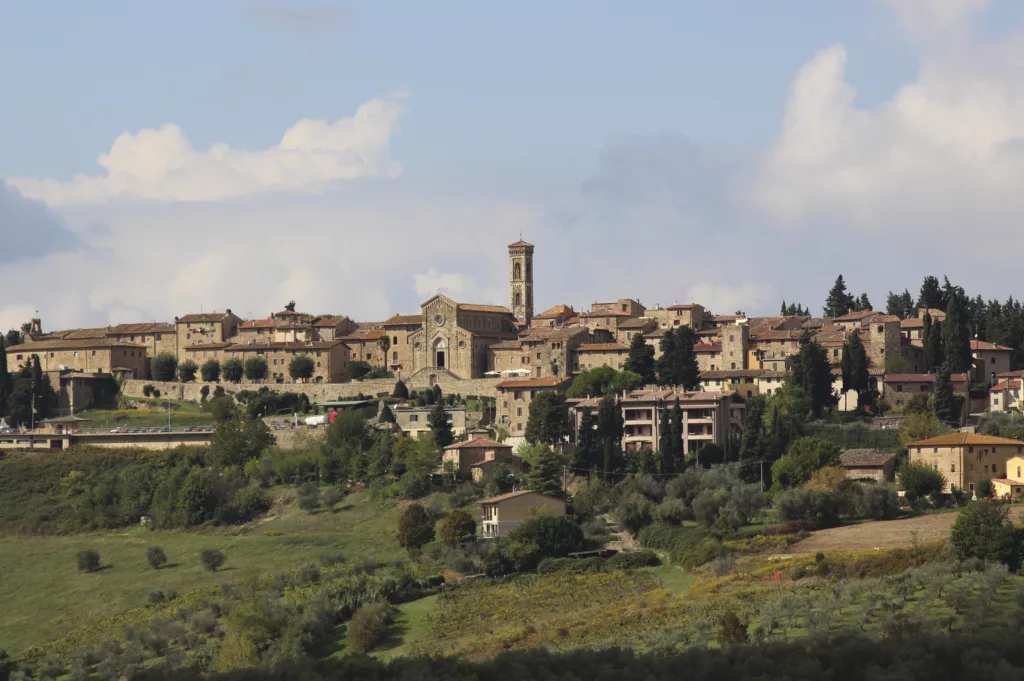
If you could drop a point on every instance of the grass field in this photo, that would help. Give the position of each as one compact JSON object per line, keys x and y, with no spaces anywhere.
{"x":44,"y":597}
{"x":153,"y":416}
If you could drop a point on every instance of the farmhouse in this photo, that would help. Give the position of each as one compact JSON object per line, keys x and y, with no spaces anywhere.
{"x":501,"y":514}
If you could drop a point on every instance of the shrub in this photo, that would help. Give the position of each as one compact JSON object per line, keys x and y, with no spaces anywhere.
{"x":633,"y":559}
{"x":309,"y":497}
{"x":985,"y":489}
{"x":88,"y":560}
{"x":633,"y":514}
{"x":553,"y":536}
{"x":707,"y":550}
{"x":818,"y":509}
{"x":458,"y":527}
{"x":983,"y":530}
{"x":331,"y":497}
{"x":163,"y":367}
{"x":156,"y":597}
{"x":156,"y":557}
{"x":212,"y":559}
{"x":415,"y":528}
{"x":187,"y":371}
{"x":147,"y":390}
{"x":401,"y":391}
{"x":210,"y":371}
{"x":249,"y":502}
{"x":878,"y":502}
{"x":673,"y":512}
{"x":367,"y":627}
{"x":574,"y":566}
{"x":920,"y":480}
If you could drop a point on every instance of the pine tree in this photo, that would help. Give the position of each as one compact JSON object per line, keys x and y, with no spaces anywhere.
{"x":893,"y":305}
{"x":665,"y":365}
{"x":546,"y":474}
{"x":641,"y":359}
{"x":839,"y":302}
{"x":956,"y":338}
{"x":687,"y":370}
{"x":548,"y":421}
{"x":855,"y":366}
{"x":946,"y":403}
{"x":440,"y":425}
{"x":812,"y":373}
{"x":784,"y":310}
{"x":930,"y":296}
{"x":863,"y":303}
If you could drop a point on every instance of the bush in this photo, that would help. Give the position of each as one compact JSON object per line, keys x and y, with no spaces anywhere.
{"x":634,"y":514}
{"x":210,"y":371}
{"x":985,"y":489}
{"x":415,"y":528}
{"x":553,"y":536}
{"x":633,"y":559}
{"x":458,"y":527}
{"x":88,"y":560}
{"x":187,"y":371}
{"x":331,"y":497}
{"x":818,"y":509}
{"x":147,"y":390}
{"x":673,"y":512}
{"x":309,"y":497}
{"x":878,"y":502}
{"x":212,"y":559}
{"x":707,"y":550}
{"x":156,"y":557}
{"x":163,"y":367}
{"x":367,"y":627}
{"x":920,"y":480}
{"x":574,"y":566}
{"x":983,"y":530}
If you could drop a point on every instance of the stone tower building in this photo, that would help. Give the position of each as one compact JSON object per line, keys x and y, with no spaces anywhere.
{"x":520,"y":260}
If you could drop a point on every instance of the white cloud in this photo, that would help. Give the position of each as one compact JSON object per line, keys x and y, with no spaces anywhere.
{"x":728,"y":298}
{"x":457,"y":285}
{"x":161,"y":163}
{"x":930,"y":17}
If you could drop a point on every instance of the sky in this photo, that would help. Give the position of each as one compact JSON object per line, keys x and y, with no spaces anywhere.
{"x":163,"y":158}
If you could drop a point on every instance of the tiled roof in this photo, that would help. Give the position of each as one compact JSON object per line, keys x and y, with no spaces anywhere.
{"x":536,"y":335}
{"x":364,"y":336}
{"x":727,"y":317}
{"x":683,"y":306}
{"x":855,"y":316}
{"x":707,"y":347}
{"x":141,"y":327}
{"x":258,"y":324}
{"x":70,"y":344}
{"x":404,"y":319}
{"x":330,"y":320}
{"x":774,"y":374}
{"x":520,"y":244}
{"x":602,"y":347}
{"x":638,"y":323}
{"x":960,"y":439}
{"x":203,"y":317}
{"x":915,"y":323}
{"x":550,"y":382}
{"x":513,"y":495}
{"x":1006,"y":385}
{"x":209,"y":346}
{"x":985,"y":345}
{"x":857,"y":458}
{"x":554,"y":312}
{"x":479,"y":442}
{"x":507,"y":345}
{"x":85,"y":334}
{"x":605,"y":313}
{"x":779,"y":335}
{"x":289,"y":345}
{"x":484,"y":308}
{"x":921,"y":378}
{"x":731,"y":373}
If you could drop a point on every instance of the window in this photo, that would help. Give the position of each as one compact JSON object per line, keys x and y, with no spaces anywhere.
{"x":76,"y":354}
{"x":318,"y":365}
{"x":936,"y":466}
{"x":414,"y":418}
{"x":93,"y":353}
{"x":952,"y":468}
{"x":394,"y":356}
{"x":517,"y":395}
{"x":992,"y":360}
{"x":519,"y":411}
{"x":394,"y":340}
{"x":899,"y":387}
{"x":538,"y":355}
{"x":157,"y":337}
{"x":881,"y":329}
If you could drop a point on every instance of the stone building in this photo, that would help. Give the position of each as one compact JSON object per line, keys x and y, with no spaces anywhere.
{"x":520,"y":260}
{"x":553,"y":317}
{"x":502,"y":514}
{"x":157,"y":337}
{"x":331,"y":327}
{"x":609,"y":315}
{"x":966,"y":459}
{"x":461,"y":457}
{"x":205,"y":327}
{"x":690,"y":314}
{"x":454,"y":337}
{"x":593,"y":355}
{"x":400,"y":328}
{"x":708,"y":417}
{"x":538,"y":353}
{"x":1005,"y":395}
{"x":630,"y":327}
{"x":741,"y":381}
{"x":709,"y":356}
{"x":868,"y":464}
{"x":92,"y":356}
{"x":899,"y":389}
{"x":415,"y":420}
{"x":330,"y":358}
{"x":513,"y":402}
{"x":367,"y":346}
{"x":990,"y":360}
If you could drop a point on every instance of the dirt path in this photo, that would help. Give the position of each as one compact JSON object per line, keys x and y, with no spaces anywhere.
{"x":884,"y":534}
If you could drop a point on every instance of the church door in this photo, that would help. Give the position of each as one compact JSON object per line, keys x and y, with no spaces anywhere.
{"x":440,"y":353}
{"x":440,"y":359}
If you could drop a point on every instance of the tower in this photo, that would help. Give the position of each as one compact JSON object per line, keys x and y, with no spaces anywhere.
{"x":520,"y":262}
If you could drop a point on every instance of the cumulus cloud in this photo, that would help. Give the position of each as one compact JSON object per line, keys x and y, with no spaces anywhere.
{"x":457,"y":285}
{"x":162,"y":164}
{"x":28,"y":229}
{"x":936,"y":17}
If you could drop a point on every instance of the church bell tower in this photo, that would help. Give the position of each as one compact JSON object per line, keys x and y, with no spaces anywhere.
{"x":520,"y":260}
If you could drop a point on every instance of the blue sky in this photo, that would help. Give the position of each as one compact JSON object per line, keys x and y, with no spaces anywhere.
{"x":666,"y":150}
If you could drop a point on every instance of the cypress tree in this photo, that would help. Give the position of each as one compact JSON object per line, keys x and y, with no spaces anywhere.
{"x":812,"y":373}
{"x":609,"y":433}
{"x":855,"y":366}
{"x":666,"y":456}
{"x":5,"y":378}
{"x":930,"y":295}
{"x":687,"y":372}
{"x":641,"y":359}
{"x":956,"y":338}
{"x":933,"y":348}
{"x":945,"y":404}
{"x":586,"y":454}
{"x":676,"y":434}
{"x":665,"y":365}
{"x":839,"y":302}
{"x":440,"y":425}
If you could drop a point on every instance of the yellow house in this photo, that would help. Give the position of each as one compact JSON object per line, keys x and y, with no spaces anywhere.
{"x":501,"y":514}
{"x":965,"y":459}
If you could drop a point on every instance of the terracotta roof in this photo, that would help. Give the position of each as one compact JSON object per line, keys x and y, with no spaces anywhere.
{"x":921,"y":378}
{"x":554,"y":312}
{"x":637,"y":323}
{"x":70,"y":344}
{"x":666,"y":395}
{"x":732,"y":373}
{"x":605,"y":313}
{"x":707,"y":347}
{"x":774,"y":374}
{"x":684,"y":306}
{"x":290,"y":345}
{"x":960,"y":439}
{"x":1006,"y":385}
{"x":507,"y":345}
{"x":550,"y":382}
{"x":854,"y":316}
{"x":484,"y":308}
{"x":258,"y":323}
{"x":915,"y":323}
{"x":141,"y":327}
{"x":860,"y":458}
{"x":603,"y":347}
{"x":363,"y":336}
{"x":513,"y":495}
{"x":84,"y":334}
{"x":520,"y":244}
{"x":403,"y":319}
{"x":779,"y":335}
{"x":330,"y":320}
{"x":535,"y":335}
{"x":1006,"y":481}
{"x":203,"y":317}
{"x":985,"y":345}
{"x":479,"y":442}
{"x":209,"y":346}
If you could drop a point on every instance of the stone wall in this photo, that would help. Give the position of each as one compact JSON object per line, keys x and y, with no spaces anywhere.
{"x":320,"y":392}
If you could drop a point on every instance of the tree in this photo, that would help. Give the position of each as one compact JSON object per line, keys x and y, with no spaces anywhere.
{"x":985,"y":489}
{"x":918,"y":425}
{"x":458,"y":528}
{"x":931,"y":341}
{"x":752,"y":441}
{"x":384,"y":343}
{"x":210,"y":371}
{"x":233,"y":370}
{"x":548,"y":421}
{"x":862,"y":303}
{"x":256,"y":368}
{"x":983,"y":530}
{"x":956,"y":338}
{"x":641,"y":359}
{"x":415,"y":528}
{"x":804,"y":457}
{"x":368,"y":625}
{"x":947,"y":407}
{"x":187,"y":371}
{"x":839,"y":302}
{"x":212,"y":559}
{"x":14,"y":337}
{"x":930,"y":296}
{"x":440,"y":425}
{"x":401,"y":390}
{"x":290,"y":306}
{"x":900,"y":304}
{"x":602,"y":381}
{"x":919,"y":480}
{"x":386,"y":415}
{"x":88,"y":560}
{"x":588,"y":449}
{"x":666,"y":452}
{"x":301,"y":367}
{"x":677,"y":365}
{"x":163,"y":367}
{"x":546,"y":474}
{"x":609,"y":434}
{"x":309,"y":497}
{"x":855,"y":366}
{"x":5,"y":378}
{"x":156,"y":557}
{"x":812,"y":373}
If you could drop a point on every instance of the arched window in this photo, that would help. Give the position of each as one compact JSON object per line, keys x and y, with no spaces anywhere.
{"x":518,"y":299}
{"x":517,"y":272}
